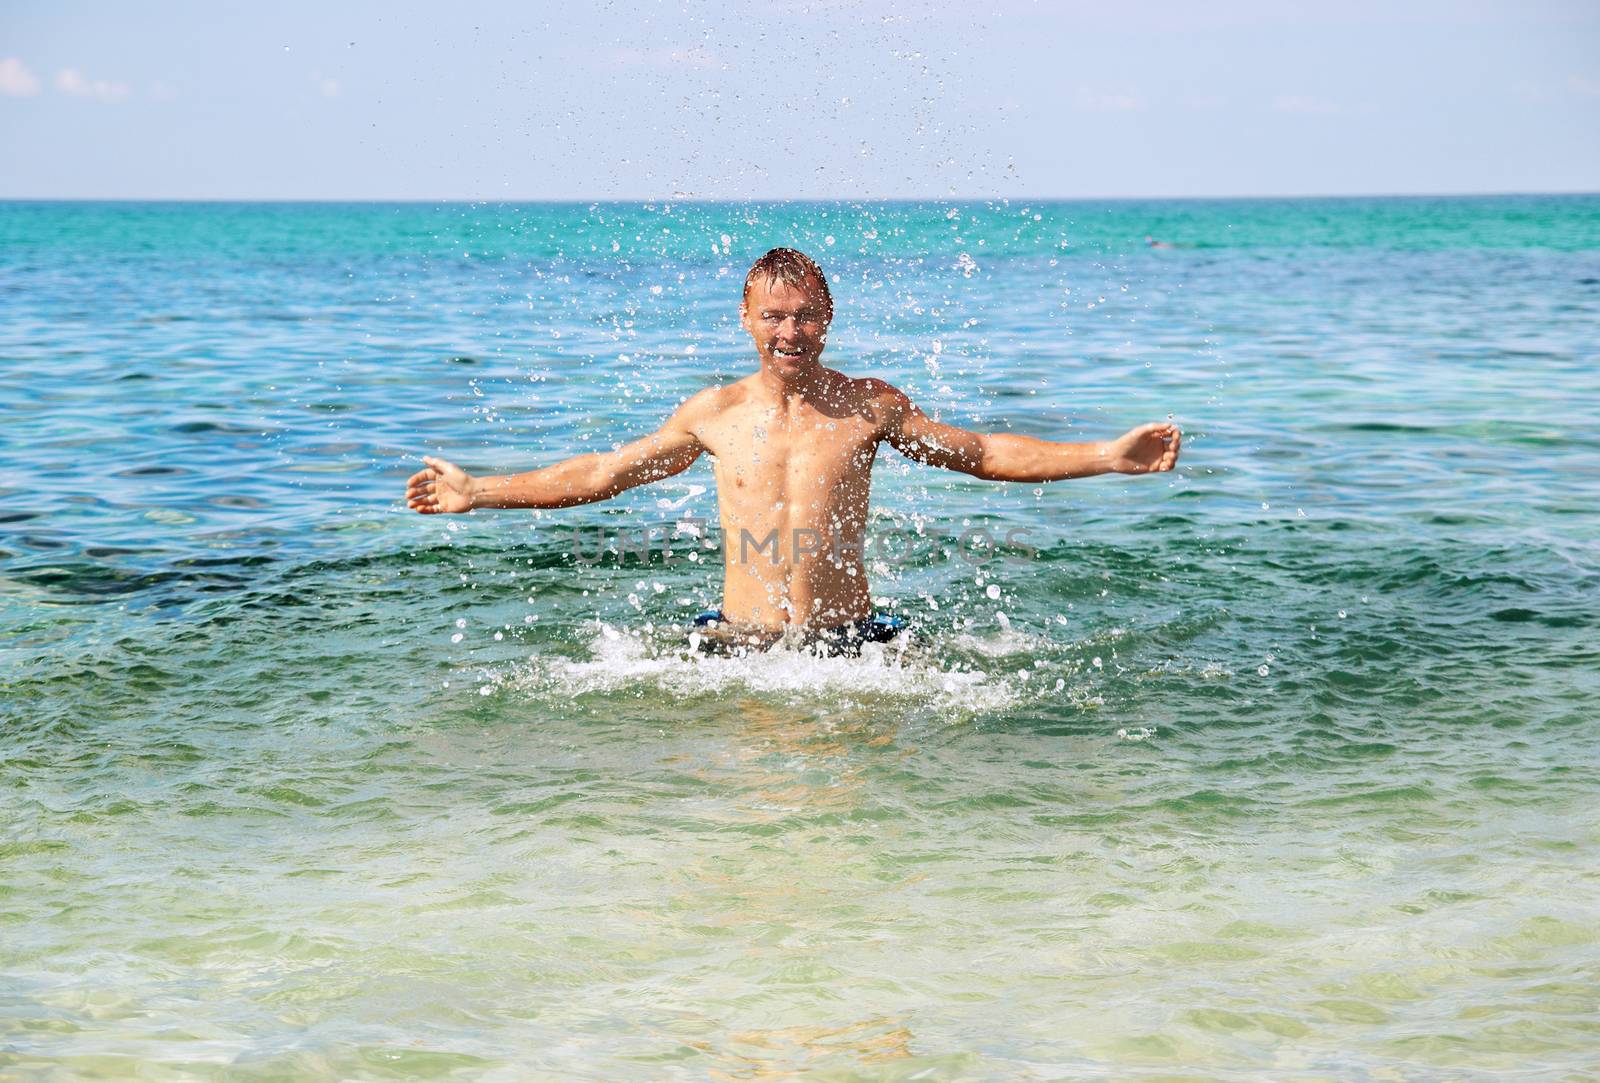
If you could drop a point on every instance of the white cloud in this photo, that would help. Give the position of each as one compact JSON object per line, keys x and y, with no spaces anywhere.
{"x":71,"y":81}
{"x":1294,"y":103}
{"x":1584,"y":87}
{"x":1098,"y":102}
{"x":16,"y":80}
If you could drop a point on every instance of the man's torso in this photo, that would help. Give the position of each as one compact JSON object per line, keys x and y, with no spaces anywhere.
{"x":793,"y":482}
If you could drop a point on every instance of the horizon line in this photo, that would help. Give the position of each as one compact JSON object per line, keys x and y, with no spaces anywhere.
{"x":836,"y":200}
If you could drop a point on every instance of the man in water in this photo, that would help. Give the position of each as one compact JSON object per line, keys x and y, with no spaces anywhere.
{"x":793,"y":444}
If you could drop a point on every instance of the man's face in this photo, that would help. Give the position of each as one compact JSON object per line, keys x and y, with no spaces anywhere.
{"x":788,"y":323}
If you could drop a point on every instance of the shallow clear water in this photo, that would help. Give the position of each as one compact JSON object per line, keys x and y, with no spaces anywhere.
{"x":1280,"y":766}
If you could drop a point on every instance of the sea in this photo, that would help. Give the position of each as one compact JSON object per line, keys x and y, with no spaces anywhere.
{"x":1283,"y":765}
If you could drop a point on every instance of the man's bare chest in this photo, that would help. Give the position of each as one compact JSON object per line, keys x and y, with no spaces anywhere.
{"x":757,"y":450}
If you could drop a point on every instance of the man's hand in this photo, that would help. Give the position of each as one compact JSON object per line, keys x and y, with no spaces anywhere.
{"x":1147,"y":449}
{"x":442,"y":487}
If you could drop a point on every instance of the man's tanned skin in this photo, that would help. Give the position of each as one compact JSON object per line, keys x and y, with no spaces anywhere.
{"x":794,"y":445}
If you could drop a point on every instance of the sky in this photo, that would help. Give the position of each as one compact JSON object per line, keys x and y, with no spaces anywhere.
{"x":717,"y":99}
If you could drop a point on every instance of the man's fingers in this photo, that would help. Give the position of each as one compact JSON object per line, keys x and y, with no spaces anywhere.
{"x":422,"y":488}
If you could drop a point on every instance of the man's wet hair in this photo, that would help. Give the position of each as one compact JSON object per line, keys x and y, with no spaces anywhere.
{"x":790,"y":267}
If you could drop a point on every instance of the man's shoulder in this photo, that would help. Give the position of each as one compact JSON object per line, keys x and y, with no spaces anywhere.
{"x":711,"y":401}
{"x":875,"y":401}
{"x":713,"y":398}
{"x":869,"y":390}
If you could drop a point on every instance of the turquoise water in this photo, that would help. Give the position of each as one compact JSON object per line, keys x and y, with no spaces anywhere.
{"x":1283,"y":765}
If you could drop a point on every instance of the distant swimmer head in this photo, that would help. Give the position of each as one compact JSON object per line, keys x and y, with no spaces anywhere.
{"x":787,"y":308}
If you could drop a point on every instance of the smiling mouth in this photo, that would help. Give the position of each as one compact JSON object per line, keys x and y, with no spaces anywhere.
{"x":781,"y":352}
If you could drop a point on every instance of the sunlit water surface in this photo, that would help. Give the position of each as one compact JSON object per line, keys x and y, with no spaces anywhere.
{"x":1280,"y":766}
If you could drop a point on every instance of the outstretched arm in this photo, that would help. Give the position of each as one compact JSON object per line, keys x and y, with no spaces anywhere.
{"x":583,"y":479}
{"x":1146,"y":449}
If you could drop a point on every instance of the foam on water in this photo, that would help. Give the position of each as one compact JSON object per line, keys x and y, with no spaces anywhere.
{"x":888,"y":675}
